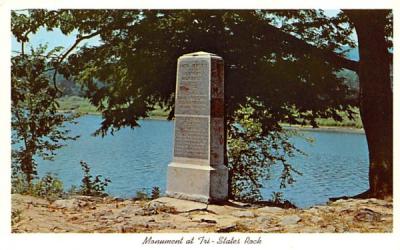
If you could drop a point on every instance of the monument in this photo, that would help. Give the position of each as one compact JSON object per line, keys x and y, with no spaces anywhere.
{"x":197,"y":171}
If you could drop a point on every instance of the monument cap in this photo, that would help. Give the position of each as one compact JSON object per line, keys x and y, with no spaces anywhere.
{"x":200,"y":53}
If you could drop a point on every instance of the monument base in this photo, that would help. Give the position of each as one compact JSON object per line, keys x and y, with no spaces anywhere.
{"x":205,"y":184}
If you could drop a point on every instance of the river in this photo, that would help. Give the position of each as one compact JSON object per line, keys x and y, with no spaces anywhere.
{"x":336,"y":163}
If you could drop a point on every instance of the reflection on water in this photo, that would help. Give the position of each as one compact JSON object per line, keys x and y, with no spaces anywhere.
{"x":336,"y":165}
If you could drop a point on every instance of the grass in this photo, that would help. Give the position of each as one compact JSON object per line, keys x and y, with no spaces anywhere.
{"x":356,"y":123}
{"x":78,"y":104}
{"x":83,"y":106}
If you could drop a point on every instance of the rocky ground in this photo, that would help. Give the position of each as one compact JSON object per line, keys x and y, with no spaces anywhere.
{"x":90,"y":214}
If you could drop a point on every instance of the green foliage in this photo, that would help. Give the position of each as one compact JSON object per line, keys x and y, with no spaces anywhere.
{"x":76,"y":104}
{"x":155,"y":193}
{"x":73,"y":190}
{"x":16,"y":216}
{"x":277,"y":200}
{"x":90,"y":186}
{"x":159,"y":113}
{"x":37,"y":128}
{"x":277,"y":197}
{"x":354,"y":122}
{"x":83,"y":106}
{"x":141,"y":195}
{"x":254,"y":147}
{"x":19,"y":184}
{"x":49,"y":186}
{"x":133,"y":68}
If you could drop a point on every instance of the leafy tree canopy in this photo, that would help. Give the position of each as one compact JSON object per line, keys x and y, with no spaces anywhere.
{"x":136,"y":59}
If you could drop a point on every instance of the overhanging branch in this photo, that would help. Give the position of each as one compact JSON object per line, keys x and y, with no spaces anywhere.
{"x":299,"y":44}
{"x":77,"y":41}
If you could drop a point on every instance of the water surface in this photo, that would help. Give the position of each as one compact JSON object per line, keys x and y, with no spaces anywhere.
{"x":336,"y":165}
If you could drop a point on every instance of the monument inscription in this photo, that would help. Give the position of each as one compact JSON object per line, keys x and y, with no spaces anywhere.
{"x":190,"y":139}
{"x":197,"y":171}
{"x":192,"y":95}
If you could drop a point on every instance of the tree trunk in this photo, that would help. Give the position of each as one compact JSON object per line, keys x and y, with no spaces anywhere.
{"x":376,"y":98}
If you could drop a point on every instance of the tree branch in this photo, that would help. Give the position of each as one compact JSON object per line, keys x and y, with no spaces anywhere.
{"x":57,"y":13}
{"x":301,"y":45}
{"x":78,"y":40}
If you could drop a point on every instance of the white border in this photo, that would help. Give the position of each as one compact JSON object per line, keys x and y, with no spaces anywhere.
{"x":133,"y":241}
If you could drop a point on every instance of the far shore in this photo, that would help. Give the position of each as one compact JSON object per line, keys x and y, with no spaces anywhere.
{"x":337,"y":129}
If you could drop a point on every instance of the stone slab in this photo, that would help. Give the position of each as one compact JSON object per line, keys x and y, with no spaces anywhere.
{"x":181,"y":206}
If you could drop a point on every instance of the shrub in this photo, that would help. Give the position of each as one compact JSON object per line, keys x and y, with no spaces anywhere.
{"x":19,"y":185}
{"x":141,"y":195}
{"x":16,"y":217}
{"x":254,"y":148}
{"x":90,"y":186}
{"x":155,"y":193}
{"x":49,"y":186}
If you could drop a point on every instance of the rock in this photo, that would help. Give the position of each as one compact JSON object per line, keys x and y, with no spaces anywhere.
{"x":340,"y":229}
{"x":180,"y":206}
{"x":129,"y":210}
{"x":270,"y":210}
{"x":244,"y":213}
{"x":373,"y":216}
{"x":239,"y":204}
{"x":273,"y":229}
{"x":309,"y":230}
{"x":330,"y":229}
{"x":290,"y":220}
{"x":263,"y":220}
{"x":208,"y":221}
{"x":156,"y":207}
{"x":315,"y":219}
{"x":203,"y":218}
{"x":121,"y":229}
{"x":246,"y":223}
{"x":218,"y":209}
{"x":227,"y":229}
{"x":142,"y":212}
{"x":68,"y":204}
{"x":74,"y":218}
{"x":104,"y":213}
{"x":314,"y":210}
{"x":164,"y":216}
{"x":117,"y":199}
{"x":119,"y":219}
{"x":368,"y":215}
{"x":87,"y":198}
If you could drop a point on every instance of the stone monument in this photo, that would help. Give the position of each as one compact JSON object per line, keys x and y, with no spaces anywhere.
{"x":197,"y":171}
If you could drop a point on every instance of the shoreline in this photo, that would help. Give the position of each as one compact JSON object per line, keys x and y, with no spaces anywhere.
{"x":333,"y":129}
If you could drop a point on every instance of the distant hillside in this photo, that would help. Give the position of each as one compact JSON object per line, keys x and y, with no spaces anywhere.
{"x":71,"y":88}
{"x":68,"y":87}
